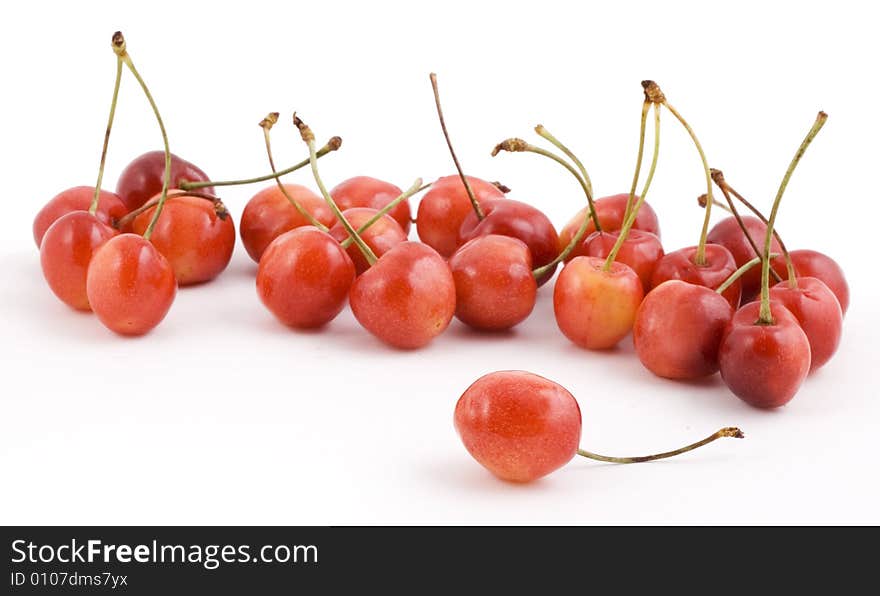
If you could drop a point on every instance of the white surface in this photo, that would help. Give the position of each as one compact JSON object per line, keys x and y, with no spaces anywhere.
{"x":223,"y":416}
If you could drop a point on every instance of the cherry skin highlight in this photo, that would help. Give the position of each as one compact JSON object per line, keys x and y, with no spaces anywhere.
{"x":78,"y":198}
{"x":678,"y":330}
{"x":381,"y":236}
{"x":444,"y":207}
{"x":681,"y":264}
{"x":363,"y":191}
{"x":66,"y":251}
{"x":818,"y":312}
{"x":640,"y":250}
{"x":811,"y":263}
{"x":764,"y":365}
{"x":304,"y":278}
{"x":595,"y":308}
{"x":610,"y":211}
{"x":728,"y":234}
{"x":269,"y":214}
{"x":407,"y":297}
{"x":494,"y":285}
{"x":143,"y":177}
{"x":518,"y":425}
{"x":130,"y":285}
{"x":195,"y":238}
{"x":517,"y":220}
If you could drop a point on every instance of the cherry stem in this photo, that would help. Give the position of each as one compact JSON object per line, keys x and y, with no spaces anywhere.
{"x":266,"y":124}
{"x":93,"y":208}
{"x":740,"y":272}
{"x":631,"y":219}
{"x":515,"y":145}
{"x":309,"y":138}
{"x":123,"y":221}
{"x":122,"y":53}
{"x":416,"y":187}
{"x":727,"y":190}
{"x":467,"y":186}
{"x":544,"y":133}
{"x":765,"y":317}
{"x":632,"y":191}
{"x":731,"y":432}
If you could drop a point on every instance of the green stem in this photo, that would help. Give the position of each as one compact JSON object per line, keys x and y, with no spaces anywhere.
{"x":724,"y":432}
{"x":93,"y":208}
{"x":544,"y":133}
{"x":631,"y":220}
{"x":632,"y":191}
{"x":416,"y":187}
{"x":740,"y":272}
{"x":765,"y":317}
{"x":700,"y":257}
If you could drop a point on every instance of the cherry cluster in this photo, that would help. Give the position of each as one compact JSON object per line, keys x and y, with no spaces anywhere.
{"x":482,"y":258}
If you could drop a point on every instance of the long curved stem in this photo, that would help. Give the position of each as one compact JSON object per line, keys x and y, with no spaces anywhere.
{"x":93,"y":208}
{"x":123,"y":221}
{"x":765,"y":317}
{"x":632,"y":191}
{"x":309,"y":138}
{"x":467,"y":186}
{"x":416,"y":187}
{"x":266,"y":124}
{"x":731,"y":432}
{"x":631,"y":220}
{"x":544,"y":133}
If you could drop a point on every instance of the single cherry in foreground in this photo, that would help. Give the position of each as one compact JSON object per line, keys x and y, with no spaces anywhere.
{"x":494,"y":285}
{"x":818,"y":312}
{"x":407,"y":297}
{"x":130,"y":285}
{"x":381,"y":236}
{"x":304,"y":277}
{"x":79,"y":198}
{"x":142,"y":178}
{"x":364,"y":191}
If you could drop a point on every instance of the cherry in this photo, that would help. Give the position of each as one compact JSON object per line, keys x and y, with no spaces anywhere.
{"x":521,"y":426}
{"x":66,"y":251}
{"x":269,"y":214}
{"x":380,"y":235}
{"x":681,"y":264}
{"x":130,"y":285}
{"x":818,"y":312}
{"x":640,"y":250}
{"x":304,"y":277}
{"x":142,"y":178}
{"x":678,"y":329}
{"x":610,"y":211}
{"x":445,"y":206}
{"x":811,"y":263}
{"x":518,"y":220}
{"x":197,"y":236}
{"x":363,"y":191}
{"x":728,"y":234}
{"x":494,"y":285}
{"x":79,"y":198}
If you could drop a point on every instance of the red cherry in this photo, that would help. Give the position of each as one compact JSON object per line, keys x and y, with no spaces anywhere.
{"x":640,"y":250}
{"x":764,"y":364}
{"x":596,"y":308}
{"x":143,"y":177}
{"x":610,"y":211}
{"x":304,"y":278}
{"x":381,"y":236}
{"x":811,"y":263}
{"x":518,"y":425}
{"x":494,"y":285}
{"x":445,"y":206}
{"x":728,"y":234}
{"x":269,"y":214}
{"x":407,"y":297}
{"x":681,"y":264}
{"x":678,"y":330}
{"x":78,"y":198}
{"x":190,"y":233}
{"x":66,"y":251}
{"x":363,"y":191}
{"x":130,"y":285}
{"x":517,"y":220}
{"x":817,"y":310}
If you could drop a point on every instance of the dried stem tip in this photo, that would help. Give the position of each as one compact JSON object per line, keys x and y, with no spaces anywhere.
{"x":334,"y":143}
{"x":305,"y":132}
{"x":703,"y":200}
{"x":221,"y":210}
{"x":512,"y":145}
{"x":501,"y":186}
{"x":717,"y":176}
{"x":270,"y":120}
{"x":118,"y":43}
{"x":733,"y":432}
{"x":653,"y":92}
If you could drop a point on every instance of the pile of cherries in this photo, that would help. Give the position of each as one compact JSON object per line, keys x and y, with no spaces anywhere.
{"x":482,"y":258}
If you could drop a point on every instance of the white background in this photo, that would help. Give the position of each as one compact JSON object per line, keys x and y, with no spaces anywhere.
{"x":222,"y":416}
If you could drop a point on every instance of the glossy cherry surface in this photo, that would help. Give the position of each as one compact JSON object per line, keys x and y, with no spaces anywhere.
{"x":681,"y":264}
{"x":78,"y":198}
{"x":818,"y":312}
{"x":728,"y":234}
{"x":811,"y":263}
{"x":640,"y":250}
{"x":610,"y":211}
{"x":142,"y":178}
{"x":381,"y":236}
{"x":363,"y":191}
